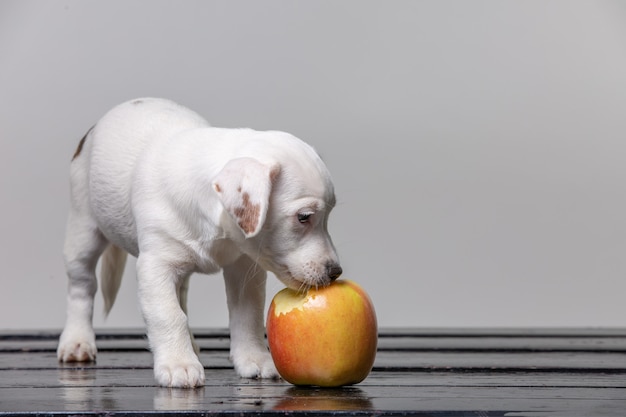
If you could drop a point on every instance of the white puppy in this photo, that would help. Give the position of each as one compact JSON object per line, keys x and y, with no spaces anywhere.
{"x":154,"y":179}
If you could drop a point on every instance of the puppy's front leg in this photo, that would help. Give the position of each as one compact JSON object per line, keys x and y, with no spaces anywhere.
{"x":183,"y":288}
{"x":175,"y":362}
{"x":245,"y":293}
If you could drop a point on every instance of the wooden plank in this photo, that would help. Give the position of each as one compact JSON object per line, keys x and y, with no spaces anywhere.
{"x":446,"y":361}
{"x":422,"y":344}
{"x":135,"y":341}
{"x":505,"y":362}
{"x":517,"y":332}
{"x":115,"y":377}
{"x":258,"y":397}
{"x":103,"y":391}
{"x":547,"y":332}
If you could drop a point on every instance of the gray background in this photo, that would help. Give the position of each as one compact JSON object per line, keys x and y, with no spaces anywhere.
{"x":477,"y":146}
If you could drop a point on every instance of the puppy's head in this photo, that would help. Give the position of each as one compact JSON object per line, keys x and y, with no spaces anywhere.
{"x":280,"y":202}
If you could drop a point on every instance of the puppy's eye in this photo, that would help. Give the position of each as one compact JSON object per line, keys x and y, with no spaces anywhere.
{"x":304,"y":217}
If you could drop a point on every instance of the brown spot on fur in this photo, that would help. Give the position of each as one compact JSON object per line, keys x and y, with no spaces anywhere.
{"x":81,"y":143}
{"x":248,"y":214}
{"x":274,"y":173}
{"x":218,"y":188}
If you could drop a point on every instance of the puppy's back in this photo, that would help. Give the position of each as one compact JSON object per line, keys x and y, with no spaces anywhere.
{"x":117,"y":141}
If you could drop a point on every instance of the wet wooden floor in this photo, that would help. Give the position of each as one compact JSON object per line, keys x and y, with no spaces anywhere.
{"x":417,"y":372}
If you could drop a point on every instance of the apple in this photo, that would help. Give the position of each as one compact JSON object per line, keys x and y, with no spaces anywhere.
{"x":325,"y":336}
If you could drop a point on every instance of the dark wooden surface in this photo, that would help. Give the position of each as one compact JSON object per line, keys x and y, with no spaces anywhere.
{"x":524,"y":372}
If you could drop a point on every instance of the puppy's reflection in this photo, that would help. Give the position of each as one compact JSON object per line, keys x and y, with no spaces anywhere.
{"x":77,"y":388}
{"x":178,"y":399}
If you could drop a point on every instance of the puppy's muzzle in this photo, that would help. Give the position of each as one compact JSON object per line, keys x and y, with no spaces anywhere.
{"x":333,"y":271}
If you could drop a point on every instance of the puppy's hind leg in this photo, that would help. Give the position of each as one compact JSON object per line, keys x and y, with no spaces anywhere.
{"x":84,"y":243}
{"x":83,"y":246}
{"x":245,"y":293}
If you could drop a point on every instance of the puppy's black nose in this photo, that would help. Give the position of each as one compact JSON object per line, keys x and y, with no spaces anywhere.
{"x":333,"y":271}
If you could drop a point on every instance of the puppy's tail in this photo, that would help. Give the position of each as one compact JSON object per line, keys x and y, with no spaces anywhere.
{"x":111,"y":271}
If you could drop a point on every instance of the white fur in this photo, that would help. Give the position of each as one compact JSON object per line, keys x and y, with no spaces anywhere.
{"x":155,"y":180}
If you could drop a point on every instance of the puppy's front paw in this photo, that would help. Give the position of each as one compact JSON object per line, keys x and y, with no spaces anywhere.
{"x":254,"y":364}
{"x":179,"y":374}
{"x":77,"y":347}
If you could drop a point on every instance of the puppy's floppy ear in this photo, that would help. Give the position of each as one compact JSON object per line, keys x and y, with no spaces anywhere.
{"x":244,"y":186}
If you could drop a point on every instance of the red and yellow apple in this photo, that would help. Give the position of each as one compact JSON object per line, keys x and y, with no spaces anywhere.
{"x":325,"y":336}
